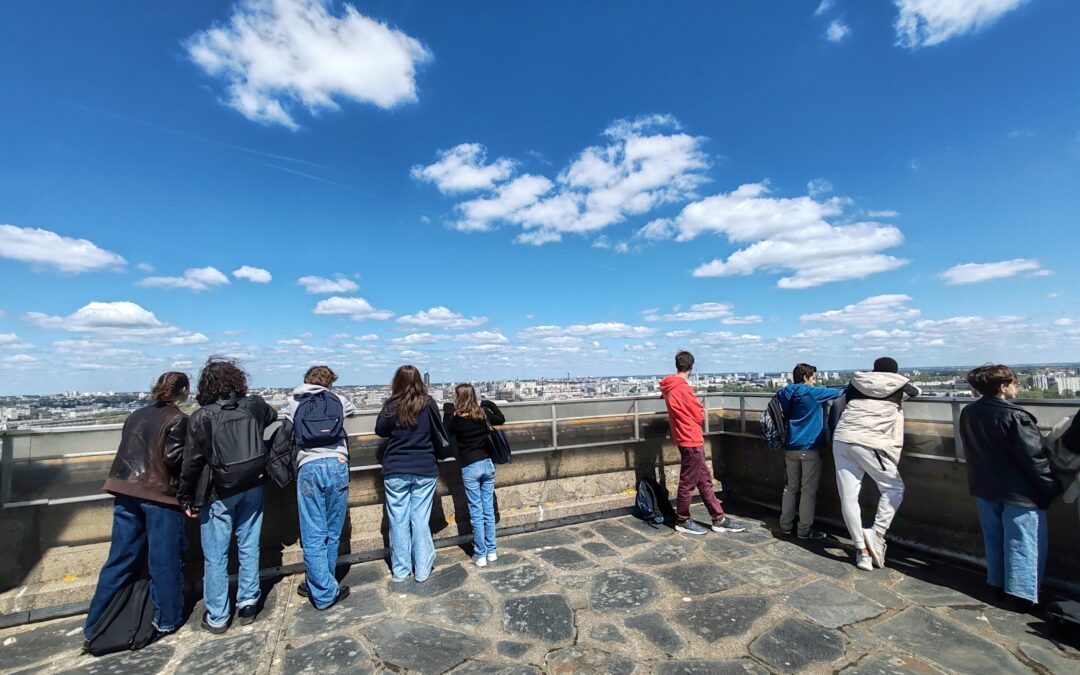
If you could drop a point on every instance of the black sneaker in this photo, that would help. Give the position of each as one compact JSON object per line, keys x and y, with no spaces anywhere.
{"x":813,"y":535}
{"x":343,"y":592}
{"x":216,"y":630}
{"x":247,"y":614}
{"x":302,"y":590}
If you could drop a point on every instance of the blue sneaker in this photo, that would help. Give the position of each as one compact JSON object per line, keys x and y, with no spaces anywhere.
{"x":690,"y":527}
{"x":728,"y":525}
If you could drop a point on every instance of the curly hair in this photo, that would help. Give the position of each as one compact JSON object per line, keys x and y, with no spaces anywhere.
{"x":320,"y":375}
{"x":169,"y":386}
{"x":221,"y":378}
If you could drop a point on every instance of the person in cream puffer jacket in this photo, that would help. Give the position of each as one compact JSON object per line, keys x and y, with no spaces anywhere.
{"x":868,"y":440}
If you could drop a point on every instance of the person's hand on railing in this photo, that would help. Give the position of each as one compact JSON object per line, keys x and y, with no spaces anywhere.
{"x":191,"y":511}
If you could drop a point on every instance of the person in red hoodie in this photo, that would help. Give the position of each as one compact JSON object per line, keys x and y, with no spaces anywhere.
{"x":685,"y":414}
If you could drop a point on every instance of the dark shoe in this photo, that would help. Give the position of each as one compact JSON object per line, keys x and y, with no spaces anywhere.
{"x":85,"y":647}
{"x":343,"y":592}
{"x":216,"y":630}
{"x":302,"y":590}
{"x":247,"y":614}
{"x":787,"y":533}
{"x":813,"y":535}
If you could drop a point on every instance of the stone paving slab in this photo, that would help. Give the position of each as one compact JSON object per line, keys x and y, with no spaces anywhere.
{"x":720,"y":616}
{"x":890,"y":664}
{"x":667,"y":552}
{"x":826,"y":604}
{"x":931,"y":594}
{"x":40,"y":642}
{"x":539,"y":540}
{"x":546,"y":617}
{"x":420,"y":646}
{"x":492,"y":668}
{"x":1012,"y":625}
{"x":702,"y":667}
{"x":793,"y":644}
{"x":1054,"y":660}
{"x":457,"y":608}
{"x":231,"y":654}
{"x":879,"y":594}
{"x":337,"y":654}
{"x":696,"y":579}
{"x":622,"y":590}
{"x":768,"y":572}
{"x":517,"y":579}
{"x":657,"y":631}
{"x":565,"y":559}
{"x":150,"y":660}
{"x":360,"y":606}
{"x":619,"y":536}
{"x":442,"y":580}
{"x":726,"y":548}
{"x":578,"y":659}
{"x":599,"y":548}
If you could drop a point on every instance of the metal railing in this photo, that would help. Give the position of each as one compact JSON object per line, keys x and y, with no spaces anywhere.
{"x":727,"y":413}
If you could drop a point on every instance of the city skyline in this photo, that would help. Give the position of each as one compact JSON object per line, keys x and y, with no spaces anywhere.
{"x":298,"y":182}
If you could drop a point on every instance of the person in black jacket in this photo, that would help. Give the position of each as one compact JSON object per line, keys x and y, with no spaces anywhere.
{"x":468,"y":423}
{"x":410,"y":471}
{"x":223,"y":509}
{"x":147,"y":522}
{"x":1009,"y":475}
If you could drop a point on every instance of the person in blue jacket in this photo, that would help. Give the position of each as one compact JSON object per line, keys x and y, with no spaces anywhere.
{"x":802,"y":404}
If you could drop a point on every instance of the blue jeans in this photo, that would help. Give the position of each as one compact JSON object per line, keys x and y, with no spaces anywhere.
{"x":479,"y":481}
{"x":322,"y":497}
{"x":244,"y":512}
{"x":1015,"y":541}
{"x":150,"y":531}
{"x":408,"y":507}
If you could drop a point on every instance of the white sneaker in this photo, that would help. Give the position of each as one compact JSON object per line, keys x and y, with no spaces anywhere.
{"x":479,"y":561}
{"x":876,"y":546}
{"x":864,"y":562}
{"x":493,"y":556}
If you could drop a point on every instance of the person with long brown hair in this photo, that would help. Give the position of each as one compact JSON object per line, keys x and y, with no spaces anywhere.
{"x":469,"y":422}
{"x":410,"y":471}
{"x":147,"y":521}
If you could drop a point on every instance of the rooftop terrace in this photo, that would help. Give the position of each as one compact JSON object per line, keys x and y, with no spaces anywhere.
{"x":607,"y":596}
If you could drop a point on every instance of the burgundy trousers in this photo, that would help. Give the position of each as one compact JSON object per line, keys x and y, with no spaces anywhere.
{"x":695,"y":474}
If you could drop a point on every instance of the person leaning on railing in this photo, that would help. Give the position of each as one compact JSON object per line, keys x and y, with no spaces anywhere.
{"x":147,"y":521}
{"x":1009,"y":475}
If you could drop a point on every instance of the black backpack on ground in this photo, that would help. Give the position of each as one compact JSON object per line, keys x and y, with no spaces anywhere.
{"x":238,"y":458}
{"x":127,"y":622}
{"x":281,"y":462}
{"x":774,"y":425}
{"x":1065,"y":616}
{"x":319,"y":420}
{"x":652,"y":504}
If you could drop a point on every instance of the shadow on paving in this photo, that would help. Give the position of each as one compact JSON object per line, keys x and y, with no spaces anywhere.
{"x":609,"y":596}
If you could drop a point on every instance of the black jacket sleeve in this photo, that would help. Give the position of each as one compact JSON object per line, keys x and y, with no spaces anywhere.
{"x":385,"y":423}
{"x":911,"y":391}
{"x":1026,"y":445}
{"x":194,"y":460}
{"x":175,"y":440}
{"x":1071,"y":439}
{"x":494,"y":415}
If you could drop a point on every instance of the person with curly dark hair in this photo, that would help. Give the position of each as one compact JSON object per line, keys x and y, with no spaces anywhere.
{"x":221,"y":484}
{"x":147,"y":521}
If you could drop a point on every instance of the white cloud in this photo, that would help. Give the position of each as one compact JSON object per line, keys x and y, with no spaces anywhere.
{"x":357,"y":309}
{"x":1021,"y":133}
{"x":602,"y":242}
{"x":873,"y":311}
{"x":275,"y":54}
{"x":646,"y":163}
{"x":887,"y":213}
{"x":145,"y":267}
{"x":442,"y":317}
{"x":974,"y":273}
{"x":419,"y":339}
{"x":485,"y":336}
{"x":608,"y":329}
{"x":44,"y":248}
{"x":317,"y":285}
{"x":819,"y":187}
{"x":255,"y":275}
{"x":290,"y":342}
{"x":837,"y":31}
{"x":464,"y":168}
{"x":792,"y":234}
{"x":921,"y":23}
{"x":118,"y":321}
{"x":18,"y":359}
{"x":824,"y":7}
{"x":196,"y":279}
{"x":703,"y":311}
{"x":8,"y":338}
{"x":1064,"y":322}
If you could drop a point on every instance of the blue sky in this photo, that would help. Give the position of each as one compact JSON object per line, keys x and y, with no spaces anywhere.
{"x":518,"y":190}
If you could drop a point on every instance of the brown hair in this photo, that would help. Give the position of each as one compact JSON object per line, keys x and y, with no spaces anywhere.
{"x":801,"y":372}
{"x":408,"y":396}
{"x":221,"y":378}
{"x":465,"y":403}
{"x":684,"y":361}
{"x":320,"y":375}
{"x":988,"y":379}
{"x":169,"y":386}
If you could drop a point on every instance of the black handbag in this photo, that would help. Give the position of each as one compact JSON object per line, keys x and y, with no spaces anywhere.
{"x":498,"y":446}
{"x":439,"y":438}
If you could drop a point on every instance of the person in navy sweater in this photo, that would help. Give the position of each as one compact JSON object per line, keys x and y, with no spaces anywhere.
{"x":802,"y":404}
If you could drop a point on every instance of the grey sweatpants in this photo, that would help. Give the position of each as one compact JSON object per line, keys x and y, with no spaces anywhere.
{"x":803,"y":476}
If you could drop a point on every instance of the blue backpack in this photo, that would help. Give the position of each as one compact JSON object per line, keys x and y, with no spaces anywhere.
{"x":319,"y":420}
{"x":774,"y":425}
{"x":652,"y":503}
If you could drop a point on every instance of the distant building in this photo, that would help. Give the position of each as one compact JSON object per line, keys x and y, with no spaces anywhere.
{"x":1069,"y":384}
{"x":427,"y":380}
{"x":1040,"y":381}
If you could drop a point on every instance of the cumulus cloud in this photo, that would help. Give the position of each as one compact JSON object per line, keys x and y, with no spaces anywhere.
{"x":196,"y":279}
{"x":976,"y":273}
{"x":275,"y":55}
{"x":792,"y":234}
{"x":49,"y":249}
{"x":606,"y":329}
{"x":442,"y":317}
{"x":836,"y":31}
{"x":255,"y":275}
{"x":419,"y":339}
{"x":645,"y":163}
{"x":357,"y":309}
{"x":464,"y":168}
{"x":824,"y":7}
{"x":319,"y":285}
{"x":873,"y":311}
{"x":724,"y":312}
{"x":117,"y":321}
{"x":921,"y":23}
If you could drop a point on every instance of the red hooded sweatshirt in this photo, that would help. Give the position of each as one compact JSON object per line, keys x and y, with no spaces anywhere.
{"x":685,"y":412}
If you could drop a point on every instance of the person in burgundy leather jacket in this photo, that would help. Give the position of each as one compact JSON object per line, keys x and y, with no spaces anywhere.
{"x":148,"y":525}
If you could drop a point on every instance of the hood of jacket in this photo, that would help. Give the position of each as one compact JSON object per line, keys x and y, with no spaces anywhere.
{"x":878,"y":385}
{"x":671,"y":383}
{"x":305,"y":389}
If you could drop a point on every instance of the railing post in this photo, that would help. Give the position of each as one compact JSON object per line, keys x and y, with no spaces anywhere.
{"x":705,"y":405}
{"x":554,"y":428}
{"x":958,"y":444}
{"x":7,"y":464}
{"x":637,"y":422}
{"x":742,"y":414}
